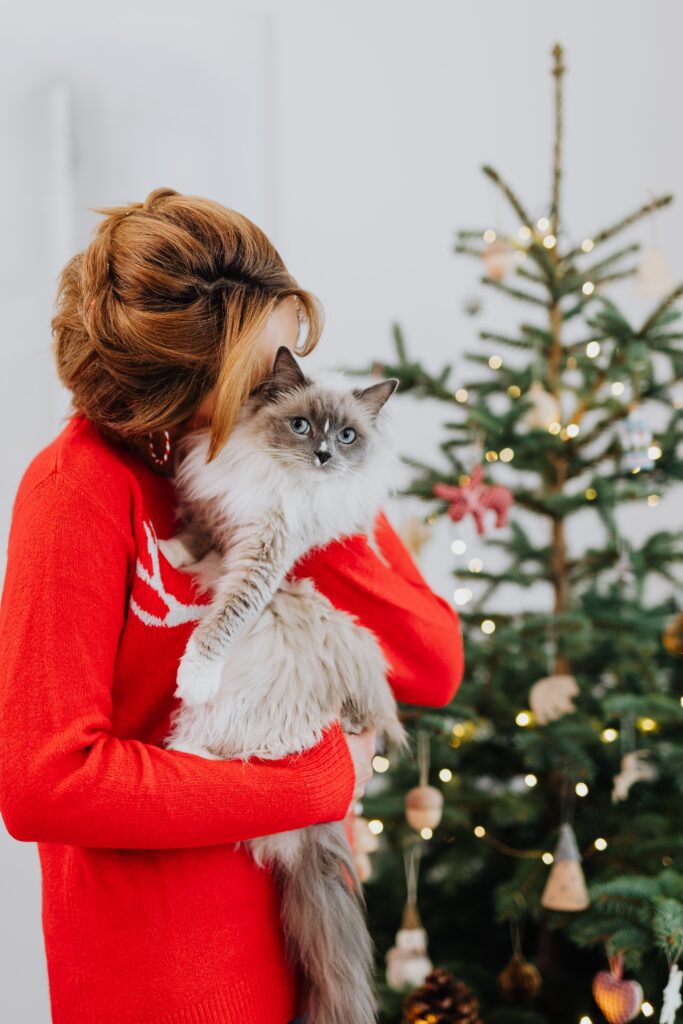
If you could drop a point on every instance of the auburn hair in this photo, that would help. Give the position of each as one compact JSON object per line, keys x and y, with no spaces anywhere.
{"x":163,"y":305}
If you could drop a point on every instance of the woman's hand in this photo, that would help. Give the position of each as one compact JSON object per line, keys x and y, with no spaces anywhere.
{"x":362,"y":748}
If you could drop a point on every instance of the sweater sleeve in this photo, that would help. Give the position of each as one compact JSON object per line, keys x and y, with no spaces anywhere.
{"x":64,"y":777}
{"x":417,"y":629}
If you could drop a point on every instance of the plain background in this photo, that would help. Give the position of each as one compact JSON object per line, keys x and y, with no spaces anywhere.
{"x":353,"y":134}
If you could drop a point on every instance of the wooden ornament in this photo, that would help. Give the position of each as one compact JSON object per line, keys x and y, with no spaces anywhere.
{"x":619,"y":1000}
{"x":673,"y":635}
{"x":424,"y":807}
{"x":565,"y":888}
{"x":634,"y":768}
{"x":363,"y":843}
{"x":553,"y":697}
{"x":671,"y":996}
{"x":407,"y":961}
{"x":544,"y":410}
{"x":499,"y":259}
{"x":654,"y":279}
{"x":520,"y":981}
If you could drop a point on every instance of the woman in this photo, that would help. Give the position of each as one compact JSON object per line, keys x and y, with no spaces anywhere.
{"x":150,"y":911}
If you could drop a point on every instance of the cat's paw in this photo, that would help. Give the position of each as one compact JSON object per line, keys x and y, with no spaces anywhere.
{"x":199,"y":678}
{"x":176,"y":552}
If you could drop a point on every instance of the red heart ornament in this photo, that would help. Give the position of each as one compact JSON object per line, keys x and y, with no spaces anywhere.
{"x":619,"y":1000}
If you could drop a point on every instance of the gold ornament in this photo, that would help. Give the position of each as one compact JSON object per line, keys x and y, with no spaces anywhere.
{"x":520,"y":981}
{"x":424,"y":807}
{"x":565,"y":888}
{"x":673,"y":635}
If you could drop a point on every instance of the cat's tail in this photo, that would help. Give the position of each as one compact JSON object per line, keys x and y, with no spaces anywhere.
{"x":323,"y":915}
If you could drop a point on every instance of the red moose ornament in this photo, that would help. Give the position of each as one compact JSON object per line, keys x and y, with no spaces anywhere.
{"x":474,"y":498}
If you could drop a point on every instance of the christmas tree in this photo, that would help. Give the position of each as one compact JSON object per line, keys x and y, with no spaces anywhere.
{"x":560,"y":761}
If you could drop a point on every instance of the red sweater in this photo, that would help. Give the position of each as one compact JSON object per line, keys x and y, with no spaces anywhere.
{"x":150,"y":913}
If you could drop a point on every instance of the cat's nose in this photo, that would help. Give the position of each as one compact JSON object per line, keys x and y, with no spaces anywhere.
{"x":323,"y":456}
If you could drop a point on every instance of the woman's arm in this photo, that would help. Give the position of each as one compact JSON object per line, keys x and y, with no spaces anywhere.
{"x":417,"y":629}
{"x":64,"y":777}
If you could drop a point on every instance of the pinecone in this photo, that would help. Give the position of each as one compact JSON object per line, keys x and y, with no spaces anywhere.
{"x":441,"y":1000}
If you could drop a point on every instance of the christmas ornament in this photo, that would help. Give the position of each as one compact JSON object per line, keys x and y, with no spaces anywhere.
{"x":673,"y":635}
{"x":441,"y":1000}
{"x":619,"y":1000}
{"x":473,"y":305}
{"x":671,"y":996}
{"x":424,"y":803}
{"x":520,"y":981}
{"x":545,"y":408}
{"x":499,"y":259}
{"x":636,"y":440}
{"x":552,"y":697}
{"x":566,"y":885}
{"x":474,"y":498}
{"x":654,"y":279}
{"x":414,"y":533}
{"x":634,"y":768}
{"x":364,"y":842}
{"x":407,"y":961}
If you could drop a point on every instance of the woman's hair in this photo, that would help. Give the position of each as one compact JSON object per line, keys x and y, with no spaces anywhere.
{"x":162,"y":306}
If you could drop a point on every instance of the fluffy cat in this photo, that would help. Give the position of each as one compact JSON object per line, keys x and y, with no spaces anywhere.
{"x":273,"y":662}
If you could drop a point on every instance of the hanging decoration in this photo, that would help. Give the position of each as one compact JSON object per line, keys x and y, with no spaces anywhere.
{"x":475,"y":497}
{"x":671,"y":997}
{"x":414,"y":533}
{"x":636,"y":441}
{"x":407,"y":961}
{"x":364,"y":842}
{"x":673,"y":635}
{"x":553,"y":697}
{"x":545,"y":408}
{"x":619,"y":1000}
{"x":565,"y":888}
{"x":635,"y":767}
{"x":423,"y":803}
{"x":654,"y":279}
{"x":520,"y":981}
{"x":499,"y":258}
{"x":441,"y":1000}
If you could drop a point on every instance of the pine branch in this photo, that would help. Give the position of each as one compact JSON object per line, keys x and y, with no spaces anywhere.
{"x":513,"y":293}
{"x":625,"y":222}
{"x":515,"y":203}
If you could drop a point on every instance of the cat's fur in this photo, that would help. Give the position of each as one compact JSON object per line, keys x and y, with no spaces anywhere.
{"x":273,"y":662}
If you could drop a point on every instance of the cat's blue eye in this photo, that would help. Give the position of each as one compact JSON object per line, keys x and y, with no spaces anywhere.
{"x":299,"y":425}
{"x":347,"y":435}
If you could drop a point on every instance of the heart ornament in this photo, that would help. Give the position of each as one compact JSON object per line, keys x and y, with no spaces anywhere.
{"x":619,"y":1000}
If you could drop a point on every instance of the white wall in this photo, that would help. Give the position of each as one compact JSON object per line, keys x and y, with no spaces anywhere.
{"x":352,"y":133}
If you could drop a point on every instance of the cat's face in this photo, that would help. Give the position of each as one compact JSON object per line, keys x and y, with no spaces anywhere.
{"x":313,"y":428}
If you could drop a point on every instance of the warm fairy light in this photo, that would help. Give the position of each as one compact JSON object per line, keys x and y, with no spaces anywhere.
{"x":461,"y":395}
{"x":376,"y":826}
{"x":445,"y":775}
{"x":587,"y":245}
{"x":432,"y":518}
{"x":581,"y":789}
{"x":609,"y":735}
{"x":491,"y":456}
{"x":571,"y":362}
{"x":380,"y":763}
{"x":523,"y":718}
{"x":573,"y":429}
{"x":475,"y":565}
{"x":506,"y":454}
{"x":490,"y":236}
{"x":600,"y":844}
{"x":530,"y":781}
{"x":585,"y":1020}
{"x":479,"y":831}
{"x":646,"y":725}
{"x":495,"y":362}
{"x":593,"y":349}
{"x":653,"y":500}
{"x":588,"y":288}
{"x":617,"y":388}
{"x":463,"y":479}
{"x":514,"y":391}
{"x":647,"y":1009}
{"x":458,"y":547}
{"x":488,"y":626}
{"x":554,"y":428}
{"x":549,"y":241}
{"x":547,"y":857}
{"x":524,"y":232}
{"x":591,"y":494}
{"x":543,"y":224}
{"x":426,"y":833}
{"x":681,"y":702}
{"x":654,"y":451}
{"x":667,"y":862}
{"x":462,"y":595}
{"x":564,"y":435}
{"x":636,"y":470}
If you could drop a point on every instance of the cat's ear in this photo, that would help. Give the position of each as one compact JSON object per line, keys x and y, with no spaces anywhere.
{"x":376,"y":395}
{"x":285,"y":375}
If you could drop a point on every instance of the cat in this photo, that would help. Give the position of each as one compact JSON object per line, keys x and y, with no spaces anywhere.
{"x":272,"y":662}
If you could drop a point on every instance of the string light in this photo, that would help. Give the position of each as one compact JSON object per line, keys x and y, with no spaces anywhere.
{"x":543,"y":224}
{"x":647,"y":1009}
{"x":588,"y":288}
{"x":554,"y":427}
{"x":463,"y":479}
{"x":588,"y":245}
{"x":530,"y":781}
{"x":488,"y":627}
{"x":549,"y":241}
{"x":479,"y":831}
{"x":490,"y":236}
{"x":617,"y":388}
{"x":524,"y":232}
{"x":380,"y":764}
{"x":581,"y":789}
{"x":461,"y":395}
{"x":523,"y":718}
{"x":573,"y":429}
{"x":591,"y":493}
{"x":609,"y":735}
{"x":600,"y":844}
{"x":426,"y":833}
{"x":593,"y":349}
{"x":653,"y":500}
{"x":445,"y":775}
{"x":462,"y":595}
{"x":495,"y":362}
{"x":475,"y":565}
{"x":507,"y":455}
{"x":654,"y":451}
{"x":458,"y":547}
{"x":491,"y":456}
{"x":646,"y":725}
{"x":547,"y":857}
{"x":514,"y":391}
{"x":585,"y":1020}
{"x":376,"y":826}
